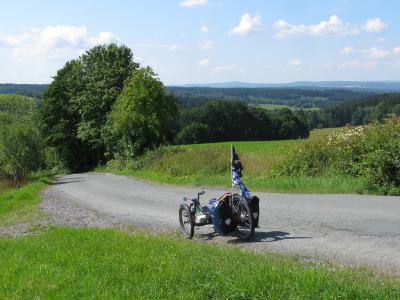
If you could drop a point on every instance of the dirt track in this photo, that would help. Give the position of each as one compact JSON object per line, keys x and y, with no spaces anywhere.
{"x":351,"y":229}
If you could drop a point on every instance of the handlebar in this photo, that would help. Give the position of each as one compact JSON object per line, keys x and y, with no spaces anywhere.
{"x":199,"y":194}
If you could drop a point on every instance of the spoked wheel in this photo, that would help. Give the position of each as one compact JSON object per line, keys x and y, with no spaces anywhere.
{"x":185,"y":222}
{"x":245,"y":225}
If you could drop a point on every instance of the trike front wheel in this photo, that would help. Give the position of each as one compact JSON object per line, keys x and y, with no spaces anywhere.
{"x":185,"y":222}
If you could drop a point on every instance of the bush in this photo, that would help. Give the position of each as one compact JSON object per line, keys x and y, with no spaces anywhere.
{"x":53,"y":161}
{"x":369,"y":153}
{"x":21,"y":141}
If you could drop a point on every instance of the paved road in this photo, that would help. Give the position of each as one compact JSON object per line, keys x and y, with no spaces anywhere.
{"x":351,"y":229}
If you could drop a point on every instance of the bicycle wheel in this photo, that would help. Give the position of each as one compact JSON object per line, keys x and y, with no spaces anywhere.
{"x":185,"y":222}
{"x":245,"y":226}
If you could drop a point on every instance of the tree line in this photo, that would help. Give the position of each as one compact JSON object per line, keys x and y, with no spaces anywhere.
{"x":217,"y":121}
{"x":298,"y":97}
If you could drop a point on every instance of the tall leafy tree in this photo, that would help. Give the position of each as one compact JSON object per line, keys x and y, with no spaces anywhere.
{"x":61,"y":117}
{"x":104,"y":71}
{"x":78,"y":101}
{"x":144,"y":115}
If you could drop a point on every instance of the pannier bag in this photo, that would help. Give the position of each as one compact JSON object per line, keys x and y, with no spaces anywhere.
{"x":221,"y":214}
{"x":255,"y":208}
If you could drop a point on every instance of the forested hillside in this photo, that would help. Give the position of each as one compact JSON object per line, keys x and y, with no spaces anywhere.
{"x":32,"y":90}
{"x":357,"y":112}
{"x":293,"y":97}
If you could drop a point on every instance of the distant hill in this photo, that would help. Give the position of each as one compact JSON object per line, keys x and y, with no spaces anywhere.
{"x":33,"y":90}
{"x":351,"y":85}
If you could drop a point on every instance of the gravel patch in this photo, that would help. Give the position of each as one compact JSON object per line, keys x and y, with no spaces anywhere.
{"x":59,"y":211}
{"x":67,"y":212}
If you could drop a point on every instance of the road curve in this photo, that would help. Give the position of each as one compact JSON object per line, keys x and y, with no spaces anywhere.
{"x":351,"y":229}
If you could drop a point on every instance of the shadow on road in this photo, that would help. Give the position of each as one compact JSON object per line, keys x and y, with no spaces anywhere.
{"x":273,"y":236}
{"x":259,"y":237}
{"x":66,"y":180}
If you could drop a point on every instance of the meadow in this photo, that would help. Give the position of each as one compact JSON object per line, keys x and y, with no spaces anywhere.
{"x":105,"y":263}
{"x":209,"y":164}
{"x":281,"y":106}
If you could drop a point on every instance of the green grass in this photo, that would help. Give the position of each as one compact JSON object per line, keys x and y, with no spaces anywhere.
{"x":108,"y":264}
{"x":209,"y":164}
{"x":273,"y":106}
{"x":20,"y":205}
{"x":281,"y":106}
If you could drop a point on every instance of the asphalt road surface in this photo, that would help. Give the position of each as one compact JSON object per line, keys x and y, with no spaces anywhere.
{"x":350,"y":229}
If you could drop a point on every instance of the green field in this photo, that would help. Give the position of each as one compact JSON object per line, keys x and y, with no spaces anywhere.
{"x":209,"y":164}
{"x":108,"y":264}
{"x":281,"y":106}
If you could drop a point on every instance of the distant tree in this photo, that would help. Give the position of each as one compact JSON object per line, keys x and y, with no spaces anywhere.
{"x":289,"y":126}
{"x":194,"y":133}
{"x":21,"y":142}
{"x":144,"y":116}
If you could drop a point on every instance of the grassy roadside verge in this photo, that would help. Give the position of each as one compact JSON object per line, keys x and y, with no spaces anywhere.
{"x":309,"y":185}
{"x":208,"y":164}
{"x":98,"y":263}
{"x":20,"y":205}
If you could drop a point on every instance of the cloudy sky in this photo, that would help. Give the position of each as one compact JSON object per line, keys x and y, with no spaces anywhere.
{"x":198,"y":41}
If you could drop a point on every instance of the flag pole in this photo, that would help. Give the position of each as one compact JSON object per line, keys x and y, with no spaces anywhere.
{"x":231,"y":171}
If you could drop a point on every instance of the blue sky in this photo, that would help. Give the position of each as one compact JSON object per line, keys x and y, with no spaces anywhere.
{"x":199,"y":41}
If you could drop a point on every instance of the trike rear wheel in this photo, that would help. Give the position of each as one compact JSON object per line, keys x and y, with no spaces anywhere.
{"x":245,"y":225}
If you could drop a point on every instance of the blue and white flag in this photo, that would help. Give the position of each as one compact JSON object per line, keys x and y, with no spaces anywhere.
{"x":237,"y":168}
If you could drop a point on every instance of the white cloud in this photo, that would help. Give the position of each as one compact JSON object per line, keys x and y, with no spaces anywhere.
{"x":248,"y":24}
{"x":54,"y":42}
{"x":375,"y":52}
{"x":224,"y":69}
{"x":296,"y":62}
{"x":193,"y":3}
{"x":347,"y":50}
{"x":396,"y":50}
{"x":204,"y":28}
{"x":374,"y":25}
{"x":207,"y":45}
{"x":175,"y":47}
{"x":204,"y":62}
{"x":382,"y":39}
{"x":356,"y":64}
{"x":332,"y":27}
